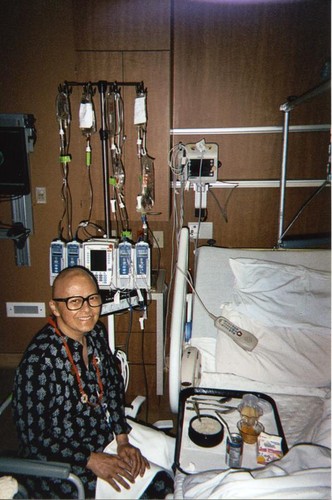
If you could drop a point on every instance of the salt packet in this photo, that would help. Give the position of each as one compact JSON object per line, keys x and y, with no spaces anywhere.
{"x":268,"y":448}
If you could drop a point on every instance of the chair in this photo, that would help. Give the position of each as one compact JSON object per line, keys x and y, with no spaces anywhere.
{"x":30,"y":467}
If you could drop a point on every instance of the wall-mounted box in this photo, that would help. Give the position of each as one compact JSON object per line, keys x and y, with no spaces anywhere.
{"x":25,"y":309}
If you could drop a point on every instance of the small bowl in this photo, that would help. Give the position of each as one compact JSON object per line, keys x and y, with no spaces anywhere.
{"x":206,"y":431}
{"x":250,"y":433}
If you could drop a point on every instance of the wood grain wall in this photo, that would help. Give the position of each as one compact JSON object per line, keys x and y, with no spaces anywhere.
{"x":205,"y":64}
{"x":235,"y":63}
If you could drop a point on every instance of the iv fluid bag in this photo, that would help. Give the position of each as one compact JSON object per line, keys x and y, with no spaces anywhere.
{"x":147,"y":183}
{"x":114,"y":113}
{"x":110,"y":113}
{"x":87,"y":117}
{"x":140,"y":110}
{"x":62,"y":107}
{"x":118,"y":172}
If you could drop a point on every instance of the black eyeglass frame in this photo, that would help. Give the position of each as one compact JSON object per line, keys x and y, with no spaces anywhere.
{"x":84,"y":299}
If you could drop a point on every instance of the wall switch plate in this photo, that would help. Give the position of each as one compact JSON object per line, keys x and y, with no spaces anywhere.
{"x":158,"y":239}
{"x":205,"y":230}
{"x":25,"y":309}
{"x":41,"y":195}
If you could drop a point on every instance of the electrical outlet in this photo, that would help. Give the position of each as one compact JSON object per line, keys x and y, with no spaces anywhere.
{"x":40,"y":194}
{"x":205,"y":230}
{"x":158,"y":239}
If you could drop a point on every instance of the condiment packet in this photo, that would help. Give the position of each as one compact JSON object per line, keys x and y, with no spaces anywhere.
{"x":268,"y":448}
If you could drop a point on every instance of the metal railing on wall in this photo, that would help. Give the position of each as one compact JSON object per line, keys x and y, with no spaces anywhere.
{"x":285,"y":129}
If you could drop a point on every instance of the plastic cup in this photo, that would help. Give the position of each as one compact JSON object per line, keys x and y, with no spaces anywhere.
{"x":250,"y":433}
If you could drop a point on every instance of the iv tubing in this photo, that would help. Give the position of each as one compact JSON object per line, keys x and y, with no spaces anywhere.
{"x":103,"y":137}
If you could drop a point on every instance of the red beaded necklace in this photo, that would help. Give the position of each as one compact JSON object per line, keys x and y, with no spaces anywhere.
{"x":95,"y":362}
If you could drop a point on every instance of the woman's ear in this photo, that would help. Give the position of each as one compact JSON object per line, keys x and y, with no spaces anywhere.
{"x":54,"y":308}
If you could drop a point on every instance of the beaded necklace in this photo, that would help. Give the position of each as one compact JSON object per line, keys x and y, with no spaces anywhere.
{"x":95,"y":362}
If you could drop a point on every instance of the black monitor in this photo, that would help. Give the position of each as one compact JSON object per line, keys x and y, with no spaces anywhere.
{"x":14,"y":161}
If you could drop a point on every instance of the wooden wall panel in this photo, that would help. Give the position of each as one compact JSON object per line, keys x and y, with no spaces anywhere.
{"x":122,"y":24}
{"x":252,"y":220}
{"x":259,"y":156}
{"x":235,"y":63}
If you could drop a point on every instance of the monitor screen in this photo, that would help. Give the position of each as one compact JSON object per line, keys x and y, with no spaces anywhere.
{"x":98,"y":260}
{"x":14,"y":163}
{"x":200,"y":168}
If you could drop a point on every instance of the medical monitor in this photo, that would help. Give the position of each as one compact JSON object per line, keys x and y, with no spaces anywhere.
{"x":15,"y":139}
{"x":100,"y":258}
{"x":202,"y":163}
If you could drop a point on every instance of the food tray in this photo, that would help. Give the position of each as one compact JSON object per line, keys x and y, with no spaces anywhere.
{"x":190,"y":458}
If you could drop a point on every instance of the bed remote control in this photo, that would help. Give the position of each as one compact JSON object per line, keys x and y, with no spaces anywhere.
{"x":244,"y":339}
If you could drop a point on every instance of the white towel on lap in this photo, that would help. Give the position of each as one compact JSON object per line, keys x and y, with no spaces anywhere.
{"x":156,"y":446}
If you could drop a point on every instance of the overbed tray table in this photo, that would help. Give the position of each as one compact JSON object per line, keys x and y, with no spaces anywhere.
{"x":190,"y":458}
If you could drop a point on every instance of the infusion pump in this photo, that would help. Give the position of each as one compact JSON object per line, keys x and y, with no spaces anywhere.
{"x":115,"y":265}
{"x":99,"y":258}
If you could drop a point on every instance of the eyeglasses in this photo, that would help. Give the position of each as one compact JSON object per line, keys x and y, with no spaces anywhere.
{"x":76,"y":303}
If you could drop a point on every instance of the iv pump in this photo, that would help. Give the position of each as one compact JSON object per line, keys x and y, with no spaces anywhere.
{"x":57,"y":258}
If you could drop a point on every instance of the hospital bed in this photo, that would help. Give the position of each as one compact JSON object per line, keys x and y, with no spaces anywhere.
{"x":283,"y":297}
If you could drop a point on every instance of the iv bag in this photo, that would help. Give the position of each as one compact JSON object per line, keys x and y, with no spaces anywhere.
{"x":147,"y":183}
{"x":110,"y":113}
{"x":87,"y":118}
{"x":62,"y":108}
{"x":118,"y":172}
{"x":114,"y":113}
{"x":140,"y":110}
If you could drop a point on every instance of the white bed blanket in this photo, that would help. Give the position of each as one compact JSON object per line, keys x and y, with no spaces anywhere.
{"x":305,"y":412}
{"x":303,"y":473}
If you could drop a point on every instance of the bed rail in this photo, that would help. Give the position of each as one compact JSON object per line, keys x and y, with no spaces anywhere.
{"x":178,"y":319}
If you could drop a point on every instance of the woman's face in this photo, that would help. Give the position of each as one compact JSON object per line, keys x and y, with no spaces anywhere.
{"x":75,"y":324}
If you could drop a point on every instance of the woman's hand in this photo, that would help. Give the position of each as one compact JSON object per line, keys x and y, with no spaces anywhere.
{"x":132,"y":456}
{"x":112,"y":468}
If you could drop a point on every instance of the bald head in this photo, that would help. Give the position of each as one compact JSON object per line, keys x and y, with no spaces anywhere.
{"x":69,"y":275}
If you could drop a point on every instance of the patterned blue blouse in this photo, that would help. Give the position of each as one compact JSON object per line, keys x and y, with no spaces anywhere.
{"x":51,"y":420}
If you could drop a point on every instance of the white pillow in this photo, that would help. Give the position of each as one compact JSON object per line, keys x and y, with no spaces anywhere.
{"x":290,"y":356}
{"x":281,"y":294}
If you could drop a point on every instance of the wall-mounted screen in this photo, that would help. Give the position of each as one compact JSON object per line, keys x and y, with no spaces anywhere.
{"x":14,"y":162}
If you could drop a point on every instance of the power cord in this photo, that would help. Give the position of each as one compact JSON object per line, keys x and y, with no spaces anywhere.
{"x":124,"y":367}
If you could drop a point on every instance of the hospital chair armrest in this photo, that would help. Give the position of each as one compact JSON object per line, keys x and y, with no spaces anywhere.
{"x":30,"y":467}
{"x":34,"y":467}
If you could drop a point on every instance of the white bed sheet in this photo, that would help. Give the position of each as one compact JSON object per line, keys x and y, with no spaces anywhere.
{"x":301,"y":409}
{"x":305,"y":412}
{"x":304,"y":473}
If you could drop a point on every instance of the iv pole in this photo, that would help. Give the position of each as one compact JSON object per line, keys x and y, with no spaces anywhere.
{"x":103,"y":133}
{"x":287,"y":107}
{"x":102,"y":86}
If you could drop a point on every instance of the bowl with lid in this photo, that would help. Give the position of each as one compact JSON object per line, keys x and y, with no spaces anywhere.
{"x":206,"y":431}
